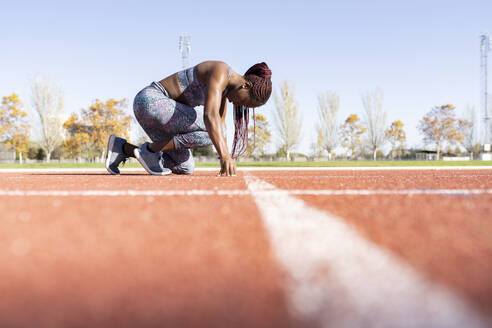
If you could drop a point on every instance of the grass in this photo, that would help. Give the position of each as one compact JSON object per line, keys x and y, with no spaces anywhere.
{"x":265,"y":164}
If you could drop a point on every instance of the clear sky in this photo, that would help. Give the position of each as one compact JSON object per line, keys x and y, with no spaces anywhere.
{"x":421,"y":53}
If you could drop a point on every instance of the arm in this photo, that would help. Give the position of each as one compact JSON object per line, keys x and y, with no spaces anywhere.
{"x":213,"y":118}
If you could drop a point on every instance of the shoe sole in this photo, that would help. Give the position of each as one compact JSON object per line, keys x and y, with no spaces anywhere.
{"x":136,"y":152}
{"x":111,"y":140}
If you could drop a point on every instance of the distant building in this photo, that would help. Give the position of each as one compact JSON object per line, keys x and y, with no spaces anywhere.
{"x":6,"y":154}
{"x":486,"y":152}
{"x":426,"y":155}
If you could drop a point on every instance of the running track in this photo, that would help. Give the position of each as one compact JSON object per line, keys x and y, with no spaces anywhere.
{"x":268,"y":248}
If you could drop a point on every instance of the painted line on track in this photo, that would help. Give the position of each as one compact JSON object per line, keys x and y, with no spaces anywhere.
{"x":208,"y":169}
{"x":239,"y":192}
{"x":338,"y":279}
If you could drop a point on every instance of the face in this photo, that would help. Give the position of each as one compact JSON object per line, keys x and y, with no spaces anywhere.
{"x":241,"y":97}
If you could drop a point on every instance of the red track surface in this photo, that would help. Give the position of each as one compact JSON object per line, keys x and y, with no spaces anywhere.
{"x":196,"y":261}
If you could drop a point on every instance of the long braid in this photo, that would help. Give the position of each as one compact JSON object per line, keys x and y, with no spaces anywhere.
{"x":259,"y":75}
{"x":254,"y":129}
{"x":241,"y":120}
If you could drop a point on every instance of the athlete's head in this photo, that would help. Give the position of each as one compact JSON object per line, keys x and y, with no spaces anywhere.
{"x":256,"y":89}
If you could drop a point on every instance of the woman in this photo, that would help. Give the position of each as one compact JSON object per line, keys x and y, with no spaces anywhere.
{"x":165,"y":110}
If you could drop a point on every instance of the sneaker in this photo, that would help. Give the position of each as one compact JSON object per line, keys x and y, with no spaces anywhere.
{"x":115,"y":154}
{"x":150,"y":161}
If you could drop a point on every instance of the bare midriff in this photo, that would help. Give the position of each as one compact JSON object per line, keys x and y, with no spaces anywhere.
{"x":172,"y":87}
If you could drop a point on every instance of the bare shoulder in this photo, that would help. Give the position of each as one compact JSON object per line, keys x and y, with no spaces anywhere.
{"x":213,"y":67}
{"x":213,"y":63}
{"x":213,"y":73}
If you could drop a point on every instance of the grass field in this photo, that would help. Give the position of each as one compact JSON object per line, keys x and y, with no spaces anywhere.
{"x":266,"y":164}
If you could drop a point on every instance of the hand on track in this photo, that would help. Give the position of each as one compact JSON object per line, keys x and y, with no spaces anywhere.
{"x":227,"y":167}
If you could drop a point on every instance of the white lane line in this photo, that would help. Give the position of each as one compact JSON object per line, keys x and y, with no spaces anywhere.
{"x":239,"y":192}
{"x":246,"y":168}
{"x":338,"y":279}
{"x":122,"y":192}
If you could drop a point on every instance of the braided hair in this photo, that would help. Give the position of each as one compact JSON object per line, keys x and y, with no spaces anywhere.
{"x":259,"y":75}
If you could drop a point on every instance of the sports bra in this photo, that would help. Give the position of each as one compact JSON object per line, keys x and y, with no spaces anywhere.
{"x":193,"y":90}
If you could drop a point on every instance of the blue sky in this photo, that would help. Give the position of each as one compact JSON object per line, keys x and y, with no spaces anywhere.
{"x":421,"y":53}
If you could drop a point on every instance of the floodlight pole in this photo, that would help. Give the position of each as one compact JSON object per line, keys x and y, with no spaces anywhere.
{"x":184,"y":49}
{"x":484,"y":53}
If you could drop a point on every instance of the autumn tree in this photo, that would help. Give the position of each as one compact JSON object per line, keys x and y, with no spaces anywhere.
{"x":47,"y":101}
{"x":76,"y":144}
{"x":104,"y":119}
{"x":259,"y":136}
{"x":374,"y":120}
{"x":396,"y":136}
{"x":14,"y":130}
{"x":328,"y":106}
{"x":287,"y":119}
{"x":439,"y":126}
{"x":351,"y":132}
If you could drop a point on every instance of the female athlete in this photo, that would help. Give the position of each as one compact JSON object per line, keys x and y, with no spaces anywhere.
{"x":166,"y":112}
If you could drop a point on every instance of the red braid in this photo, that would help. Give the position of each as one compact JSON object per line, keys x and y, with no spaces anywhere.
{"x":259,"y":75}
{"x":261,"y":84}
{"x":260,"y":70}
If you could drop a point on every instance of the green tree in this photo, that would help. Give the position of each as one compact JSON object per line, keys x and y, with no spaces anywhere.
{"x":14,"y":130}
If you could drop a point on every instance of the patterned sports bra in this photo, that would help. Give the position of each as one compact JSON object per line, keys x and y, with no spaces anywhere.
{"x":193,"y":90}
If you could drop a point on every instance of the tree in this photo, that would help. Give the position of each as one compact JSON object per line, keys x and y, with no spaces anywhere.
{"x":328,"y":106}
{"x":47,"y":100}
{"x":14,"y":130}
{"x":396,"y":136}
{"x":259,"y":136}
{"x":439,"y":126}
{"x":88,"y":134}
{"x":466,"y":128}
{"x":76,"y":144}
{"x":286,"y":120}
{"x":104,"y":119}
{"x":351,"y":132}
{"x":374,"y":120}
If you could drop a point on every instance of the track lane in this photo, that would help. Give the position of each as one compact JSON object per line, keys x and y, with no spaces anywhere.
{"x":240,"y":206}
{"x":447,"y":237}
{"x":382,"y":179}
{"x":176,"y":261}
{"x":128,"y":181}
{"x":338,"y":278}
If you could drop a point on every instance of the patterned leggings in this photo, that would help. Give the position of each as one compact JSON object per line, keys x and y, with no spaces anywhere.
{"x":163,"y":119}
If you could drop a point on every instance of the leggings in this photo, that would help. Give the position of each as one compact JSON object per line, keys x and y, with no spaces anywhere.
{"x":163,"y":119}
